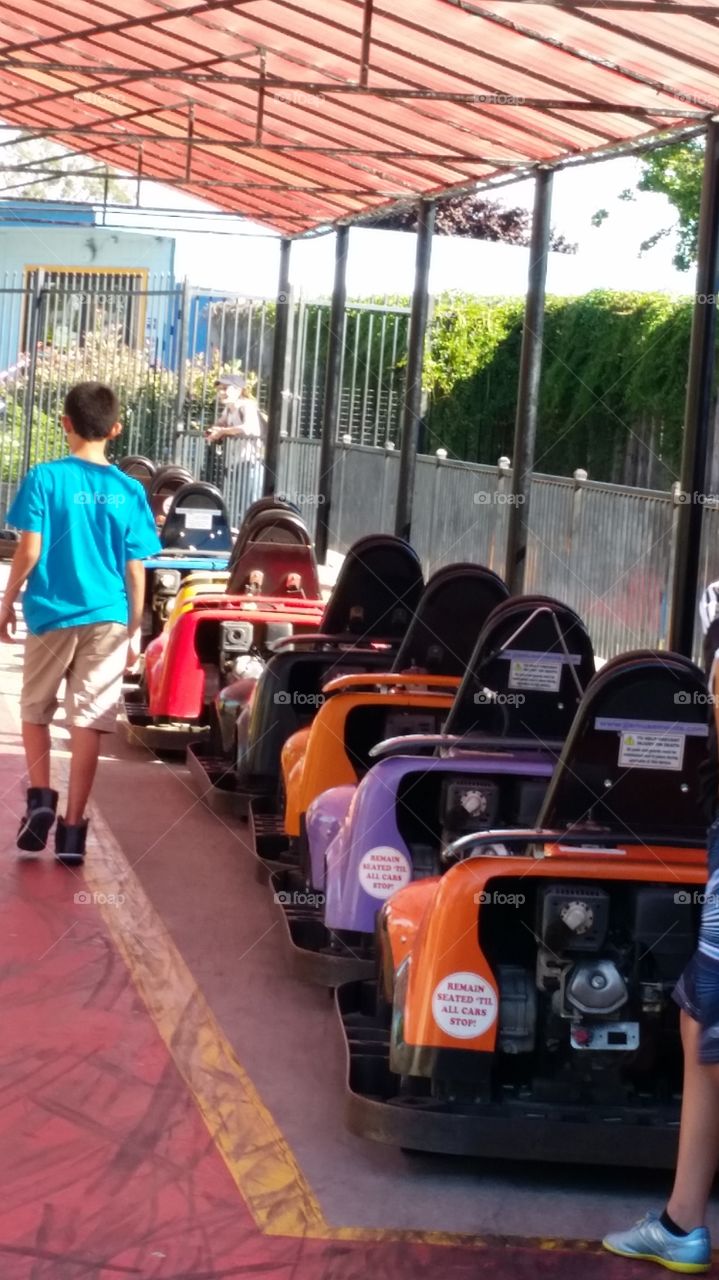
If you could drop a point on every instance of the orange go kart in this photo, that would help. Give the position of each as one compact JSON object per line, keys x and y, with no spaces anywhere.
{"x":272,"y":592}
{"x":358,"y":711}
{"x":524,"y":1005}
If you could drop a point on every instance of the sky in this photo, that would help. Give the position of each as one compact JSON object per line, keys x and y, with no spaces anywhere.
{"x":233,"y":259}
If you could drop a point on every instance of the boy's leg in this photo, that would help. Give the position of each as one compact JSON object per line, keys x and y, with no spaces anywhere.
{"x":85,"y":754}
{"x":46,"y":660}
{"x":36,"y":741}
{"x":698,"y":1136}
{"x":93,"y":690}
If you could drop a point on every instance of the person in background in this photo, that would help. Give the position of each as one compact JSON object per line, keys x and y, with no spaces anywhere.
{"x":85,"y":528}
{"x":240,"y":422}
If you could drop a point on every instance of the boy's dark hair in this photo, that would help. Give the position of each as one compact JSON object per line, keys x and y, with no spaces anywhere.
{"x":93,"y":408}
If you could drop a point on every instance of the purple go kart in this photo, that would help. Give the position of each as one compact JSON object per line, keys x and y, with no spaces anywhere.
{"x":488,"y":769}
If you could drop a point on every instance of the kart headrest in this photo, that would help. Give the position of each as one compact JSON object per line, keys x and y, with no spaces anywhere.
{"x":163,"y":486}
{"x":528,"y":672}
{"x":270,"y":524}
{"x":453,"y":608}
{"x":377,"y":590}
{"x":197,"y":520}
{"x":633,"y":759}
{"x":140,"y":468}
{"x":272,"y":503}
{"x":277,"y":559}
{"x":169,"y":476}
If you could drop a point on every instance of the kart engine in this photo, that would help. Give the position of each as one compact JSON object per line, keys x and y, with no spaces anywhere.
{"x":606,"y":961}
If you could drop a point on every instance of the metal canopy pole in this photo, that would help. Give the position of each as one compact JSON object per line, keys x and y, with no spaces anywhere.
{"x":530,"y":368}
{"x":412,"y":410}
{"x":277,"y":376}
{"x":34,"y":302}
{"x":698,"y":408}
{"x":330,"y":411}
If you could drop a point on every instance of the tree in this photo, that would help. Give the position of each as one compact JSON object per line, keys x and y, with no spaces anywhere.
{"x":676,"y":172}
{"x":474,"y":217}
{"x":39,"y":153}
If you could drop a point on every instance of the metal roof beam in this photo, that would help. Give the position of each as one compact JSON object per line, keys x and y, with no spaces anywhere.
{"x":158,"y":139}
{"x":125,"y":24}
{"x":266,"y":85}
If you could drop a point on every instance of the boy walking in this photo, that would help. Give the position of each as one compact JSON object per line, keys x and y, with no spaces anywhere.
{"x":85,"y":528}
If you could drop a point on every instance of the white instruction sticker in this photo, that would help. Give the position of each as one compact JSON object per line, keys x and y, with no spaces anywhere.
{"x":624,"y":725}
{"x":543,"y":675}
{"x":196,"y":518}
{"x":652,"y":750}
{"x":383,"y":871}
{"x":464,"y":1005}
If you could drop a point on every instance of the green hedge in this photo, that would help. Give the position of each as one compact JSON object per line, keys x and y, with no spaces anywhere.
{"x":613,"y":382}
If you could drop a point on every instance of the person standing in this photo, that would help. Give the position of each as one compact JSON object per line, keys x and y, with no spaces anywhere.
{"x":85,"y":528}
{"x":240,"y":423}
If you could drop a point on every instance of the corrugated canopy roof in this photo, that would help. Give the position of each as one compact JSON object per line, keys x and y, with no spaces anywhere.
{"x":300,"y":113}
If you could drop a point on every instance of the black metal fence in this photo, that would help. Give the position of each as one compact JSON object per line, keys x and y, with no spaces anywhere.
{"x":162,"y":346}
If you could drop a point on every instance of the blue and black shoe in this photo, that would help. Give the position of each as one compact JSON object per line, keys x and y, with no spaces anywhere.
{"x":649,"y":1240}
{"x":38,"y":819}
{"x":70,"y":842}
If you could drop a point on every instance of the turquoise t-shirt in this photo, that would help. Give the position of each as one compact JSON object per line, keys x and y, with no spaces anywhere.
{"x":93,"y":519}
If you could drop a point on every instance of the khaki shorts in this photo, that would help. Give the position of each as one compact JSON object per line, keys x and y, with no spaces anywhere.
{"x":92,"y":658}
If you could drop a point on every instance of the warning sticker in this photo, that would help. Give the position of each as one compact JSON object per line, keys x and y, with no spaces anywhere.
{"x":623,"y":725}
{"x":383,"y":871}
{"x":195,"y":518}
{"x":542,"y":674}
{"x":652,"y":750}
{"x":464,"y":1005}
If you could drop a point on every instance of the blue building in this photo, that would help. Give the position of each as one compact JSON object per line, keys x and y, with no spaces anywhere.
{"x":84,"y":268}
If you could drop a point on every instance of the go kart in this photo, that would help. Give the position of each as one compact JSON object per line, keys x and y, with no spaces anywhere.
{"x":413,"y":697}
{"x":195,"y":537}
{"x":258,"y":525}
{"x":524,"y":1002}
{"x":208,"y":638}
{"x":490,"y":767}
{"x":362,"y":626}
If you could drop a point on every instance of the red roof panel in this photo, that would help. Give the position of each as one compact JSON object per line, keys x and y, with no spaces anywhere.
{"x":302,"y":113}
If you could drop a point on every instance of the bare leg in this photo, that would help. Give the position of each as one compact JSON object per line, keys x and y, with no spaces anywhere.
{"x":36,"y":740}
{"x":698,"y":1136}
{"x":85,"y":752}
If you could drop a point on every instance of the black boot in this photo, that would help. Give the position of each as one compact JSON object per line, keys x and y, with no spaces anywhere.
{"x":70,"y":842}
{"x":38,"y":819}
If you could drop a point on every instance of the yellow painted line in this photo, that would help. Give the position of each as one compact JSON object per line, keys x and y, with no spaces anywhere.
{"x":253,"y":1147}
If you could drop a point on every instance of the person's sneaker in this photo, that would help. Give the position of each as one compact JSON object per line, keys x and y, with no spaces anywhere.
{"x":70,"y":841}
{"x":37,"y":820}
{"x":649,"y":1240}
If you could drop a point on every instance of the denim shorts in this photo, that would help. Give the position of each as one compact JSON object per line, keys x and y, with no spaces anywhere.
{"x":697,"y":991}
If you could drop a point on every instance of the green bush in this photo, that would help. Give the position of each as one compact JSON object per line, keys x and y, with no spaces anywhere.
{"x":614,"y":369}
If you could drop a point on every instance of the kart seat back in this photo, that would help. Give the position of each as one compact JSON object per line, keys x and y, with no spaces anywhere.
{"x":255,"y":510}
{"x":163,"y":487}
{"x":455,"y":604}
{"x":288,"y":696}
{"x":140,"y":468}
{"x":527,"y":676}
{"x":277,"y":558}
{"x":197,"y":520}
{"x":633,"y":760}
{"x":377,"y":590}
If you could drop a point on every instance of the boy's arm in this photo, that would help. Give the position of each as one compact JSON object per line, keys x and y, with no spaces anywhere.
{"x":135,"y":586}
{"x":23,"y":562}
